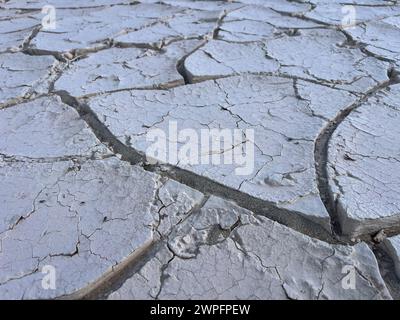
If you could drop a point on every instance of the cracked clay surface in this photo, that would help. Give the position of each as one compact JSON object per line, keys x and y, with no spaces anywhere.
{"x":316,"y":105}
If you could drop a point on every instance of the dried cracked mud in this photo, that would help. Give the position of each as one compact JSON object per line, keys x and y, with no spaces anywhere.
{"x":80,"y":193}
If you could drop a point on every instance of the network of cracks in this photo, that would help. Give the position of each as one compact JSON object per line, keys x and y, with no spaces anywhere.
{"x":79,"y":197}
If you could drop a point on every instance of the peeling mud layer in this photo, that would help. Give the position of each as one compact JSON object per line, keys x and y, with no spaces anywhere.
{"x":296,"y":197}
